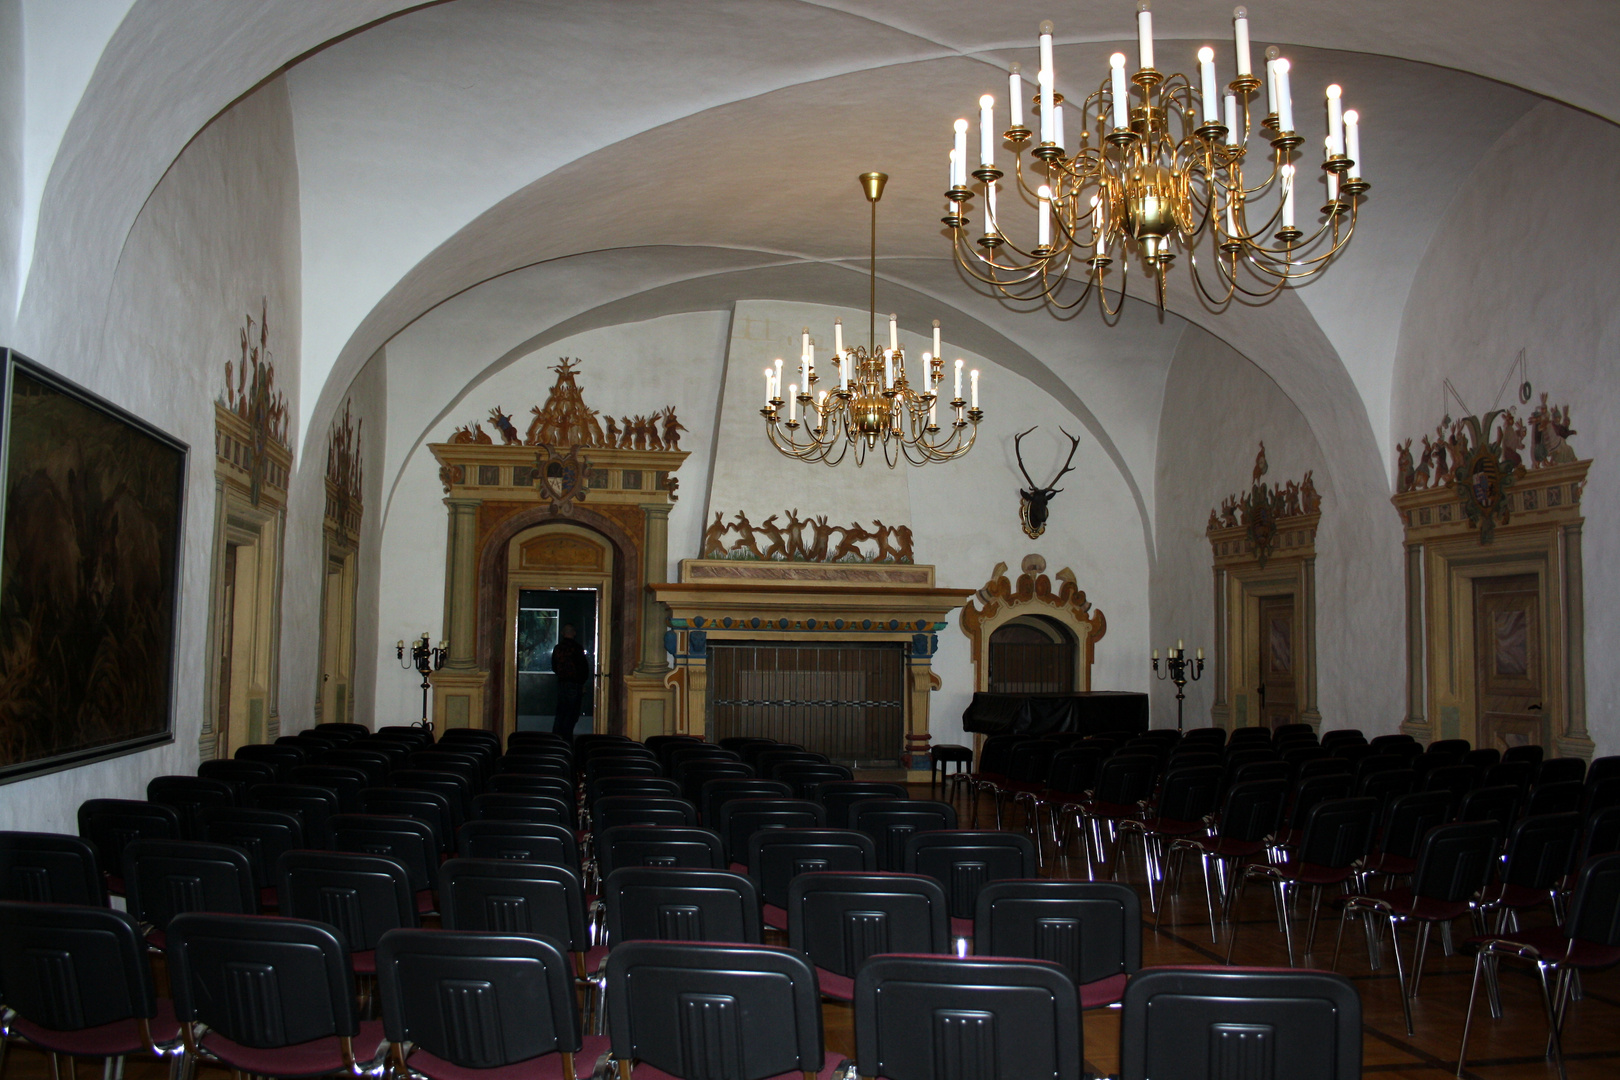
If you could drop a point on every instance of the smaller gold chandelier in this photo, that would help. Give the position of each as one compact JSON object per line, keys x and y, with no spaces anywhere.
{"x":874,"y":403}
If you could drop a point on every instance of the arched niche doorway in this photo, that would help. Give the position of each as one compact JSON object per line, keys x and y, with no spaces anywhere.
{"x":1032,"y":654}
{"x":1028,"y":609}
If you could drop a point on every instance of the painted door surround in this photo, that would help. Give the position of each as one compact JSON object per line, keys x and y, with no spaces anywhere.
{"x":1444,"y":559}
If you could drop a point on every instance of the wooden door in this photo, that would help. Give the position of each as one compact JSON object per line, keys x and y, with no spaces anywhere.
{"x":1279,"y":701}
{"x":1508,"y":680}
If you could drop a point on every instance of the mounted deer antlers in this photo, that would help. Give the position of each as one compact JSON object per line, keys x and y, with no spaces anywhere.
{"x":1033,"y":499}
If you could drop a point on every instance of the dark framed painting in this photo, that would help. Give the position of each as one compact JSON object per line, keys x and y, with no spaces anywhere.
{"x":92,"y":503}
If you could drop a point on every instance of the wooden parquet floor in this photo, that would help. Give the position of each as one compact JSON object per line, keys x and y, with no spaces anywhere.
{"x":1507,"y":1049}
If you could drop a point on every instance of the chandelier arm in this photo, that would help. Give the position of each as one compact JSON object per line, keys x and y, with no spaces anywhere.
{"x":1198,"y":283}
{"x":1024,"y":273}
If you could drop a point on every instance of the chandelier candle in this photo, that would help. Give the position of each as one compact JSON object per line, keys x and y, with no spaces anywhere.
{"x":1352,"y":141}
{"x":1163,"y":163}
{"x":987,"y":131}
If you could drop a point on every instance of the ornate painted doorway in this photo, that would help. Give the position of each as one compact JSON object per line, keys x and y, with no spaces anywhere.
{"x":1509,"y":680}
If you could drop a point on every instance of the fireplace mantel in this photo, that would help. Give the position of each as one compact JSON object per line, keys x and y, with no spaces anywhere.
{"x":756,"y":600}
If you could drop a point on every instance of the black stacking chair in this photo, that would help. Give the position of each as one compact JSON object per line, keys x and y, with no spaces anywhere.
{"x":1091,"y":929}
{"x":50,"y":868}
{"x":344,"y":782}
{"x":1337,"y":837}
{"x":766,"y":760}
{"x":469,"y":764}
{"x":189,"y":796}
{"x":1603,"y":768}
{"x":407,"y":841}
{"x":77,"y":982}
{"x":518,"y":783}
{"x":1454,"y":864}
{"x":455,"y":787}
{"x":653,"y":987}
{"x":680,"y":755}
{"x":509,"y":807}
{"x":735,"y":743}
{"x":1250,"y":817}
{"x":741,"y":818}
{"x":839,"y":795}
{"x":964,"y":861}
{"x":167,"y":878}
{"x":692,"y":775}
{"x":1124,"y":783}
{"x":1540,"y":851}
{"x":521,"y":841}
{"x":346,"y":730}
{"x":838,"y":920}
{"x":991,"y":775}
{"x":373,"y":763}
{"x":361,"y":896}
{"x":777,"y":856}
{"x":1561,"y":770}
{"x":642,"y":810}
{"x":284,"y":759}
{"x":111,"y":824}
{"x":1485,"y":758}
{"x":891,"y":822}
{"x":1069,"y":785}
{"x":264,"y":835}
{"x":1406,"y":820}
{"x":600,"y":768}
{"x":502,"y":896}
{"x":239,"y":774}
{"x":648,"y":845}
{"x":1013,"y":1018}
{"x":630,"y":785}
{"x":428,"y":807}
{"x":716,"y":793}
{"x":413,"y":733}
{"x":1180,"y":1022}
{"x":1530,"y":752}
{"x":1459,"y":780}
{"x":524,"y":1015}
{"x":1498,"y":804}
{"x":302,"y":1021}
{"x":1386,"y":785}
{"x":802,"y":778}
{"x":1305,"y":796}
{"x":1190,"y":794}
{"x":1589,"y":938}
{"x":1555,"y":797}
{"x":678,"y":903}
{"x":313,"y":806}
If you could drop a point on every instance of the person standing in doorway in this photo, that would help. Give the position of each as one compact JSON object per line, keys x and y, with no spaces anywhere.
{"x":573,"y":670}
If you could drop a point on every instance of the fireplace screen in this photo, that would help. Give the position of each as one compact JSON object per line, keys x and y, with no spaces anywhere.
{"x":845,"y":701}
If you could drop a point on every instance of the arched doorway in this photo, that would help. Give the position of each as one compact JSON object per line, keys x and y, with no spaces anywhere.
{"x":1032,"y":654}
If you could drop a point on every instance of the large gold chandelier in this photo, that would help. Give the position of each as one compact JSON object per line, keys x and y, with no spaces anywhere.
{"x":874,"y":403}
{"x":1155,"y":171}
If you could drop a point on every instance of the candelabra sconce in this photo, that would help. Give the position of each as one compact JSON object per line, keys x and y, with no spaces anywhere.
{"x":425,"y":658}
{"x":1179,"y":670}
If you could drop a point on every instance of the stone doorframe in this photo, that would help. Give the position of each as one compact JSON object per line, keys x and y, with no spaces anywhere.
{"x":1243,"y":576}
{"x":1444,"y":556}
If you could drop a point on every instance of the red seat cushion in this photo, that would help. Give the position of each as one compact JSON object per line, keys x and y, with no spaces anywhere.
{"x":834,"y":985}
{"x":776,"y":918}
{"x":1094,"y":995}
{"x":314,"y":1058}
{"x":363,"y":962}
{"x":544,"y":1067}
{"x":105,"y":1040}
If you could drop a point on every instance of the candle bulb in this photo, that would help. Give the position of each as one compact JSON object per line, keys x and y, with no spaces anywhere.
{"x":1232,"y":137}
{"x":927,"y":367}
{"x":936,"y":338}
{"x":1047,"y":71}
{"x":1271,"y":83}
{"x":961,"y":153}
{"x":888,"y":369}
{"x":843,"y":371}
{"x":1285,"y":98}
{"x":838,"y":337}
{"x":1097,"y":226}
{"x":1045,"y":194}
{"x":400,"y":644}
{"x":1121,"y":102}
{"x":933,"y":419}
{"x":1332,"y":177}
{"x":951,"y":168}
{"x":1179,"y":647}
{"x":1288,"y":197}
{"x":958,"y":394}
{"x":767,"y":386}
{"x":1144,"y":32}
{"x":1352,"y":141}
{"x":793,"y":402}
{"x":1240,"y":30}
{"x":1155,"y":656}
{"x":778,"y":376}
{"x":1335,"y":109}
{"x":1200,"y":654}
{"x":1211,"y":96}
{"x":1015,"y":97}
{"x":1231,"y":217}
{"x":987,"y":133}
{"x":975,"y":386}
{"x":894,"y":332}
{"x":1057,"y":121}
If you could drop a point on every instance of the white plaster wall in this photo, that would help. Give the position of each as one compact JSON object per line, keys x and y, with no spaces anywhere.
{"x":1218,"y":407}
{"x":369,"y":397}
{"x":1472,"y":310}
{"x":12,"y":128}
{"x":219,"y":234}
{"x":626,"y":370}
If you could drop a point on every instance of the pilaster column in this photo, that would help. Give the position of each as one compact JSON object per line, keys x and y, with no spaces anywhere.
{"x":1220,"y":712}
{"x":1307,"y":616}
{"x":654,"y":568}
{"x":1574,"y":740}
{"x":461,"y":584}
{"x":1414,"y":638}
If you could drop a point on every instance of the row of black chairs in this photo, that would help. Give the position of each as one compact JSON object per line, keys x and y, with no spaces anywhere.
{"x":275,"y":997}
